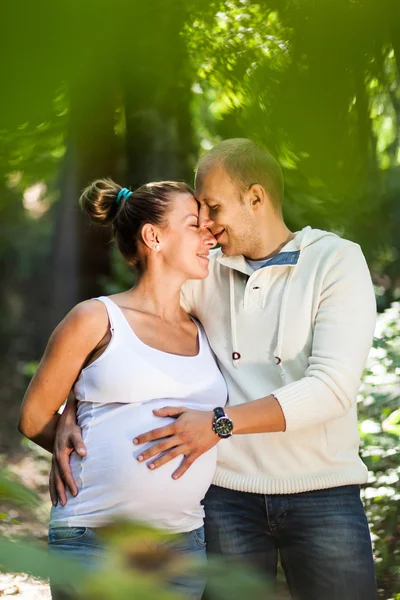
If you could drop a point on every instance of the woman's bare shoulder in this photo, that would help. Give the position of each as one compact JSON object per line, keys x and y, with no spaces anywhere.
{"x":88,"y":318}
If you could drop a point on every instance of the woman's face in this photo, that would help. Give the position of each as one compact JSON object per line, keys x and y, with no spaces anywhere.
{"x":184,"y":247}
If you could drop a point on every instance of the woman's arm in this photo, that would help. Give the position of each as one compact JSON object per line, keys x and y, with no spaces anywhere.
{"x":68,"y":349}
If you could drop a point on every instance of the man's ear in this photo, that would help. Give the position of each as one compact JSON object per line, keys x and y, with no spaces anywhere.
{"x":258,"y":196}
{"x":150,"y":235}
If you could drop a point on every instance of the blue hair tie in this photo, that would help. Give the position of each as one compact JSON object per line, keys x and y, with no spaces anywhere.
{"x":123,"y":193}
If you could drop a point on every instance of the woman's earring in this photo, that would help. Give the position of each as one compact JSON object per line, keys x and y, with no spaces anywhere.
{"x":157,"y":247}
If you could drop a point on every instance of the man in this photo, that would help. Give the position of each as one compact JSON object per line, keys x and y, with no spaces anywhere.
{"x":290,"y":318}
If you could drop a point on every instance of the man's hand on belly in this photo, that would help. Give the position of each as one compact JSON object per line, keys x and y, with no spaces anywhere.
{"x":191,"y":434}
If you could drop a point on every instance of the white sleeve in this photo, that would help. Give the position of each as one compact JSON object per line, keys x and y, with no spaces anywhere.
{"x":343,"y":334}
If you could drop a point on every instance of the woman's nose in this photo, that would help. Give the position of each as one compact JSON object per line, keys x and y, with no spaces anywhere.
{"x":207,"y":237}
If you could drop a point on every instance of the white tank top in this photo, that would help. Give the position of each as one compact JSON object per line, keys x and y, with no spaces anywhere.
{"x":117,"y":394}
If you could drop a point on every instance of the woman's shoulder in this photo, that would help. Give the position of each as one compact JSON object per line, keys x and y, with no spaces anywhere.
{"x":89,"y":310}
{"x":88,"y":316}
{"x":84,"y":326}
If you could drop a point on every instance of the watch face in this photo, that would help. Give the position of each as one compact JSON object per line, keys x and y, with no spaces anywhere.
{"x":223,"y":426}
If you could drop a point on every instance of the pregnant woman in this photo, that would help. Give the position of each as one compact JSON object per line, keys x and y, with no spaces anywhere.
{"x":125,"y":356}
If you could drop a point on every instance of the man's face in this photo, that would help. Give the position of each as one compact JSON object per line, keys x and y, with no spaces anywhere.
{"x":230,"y":220}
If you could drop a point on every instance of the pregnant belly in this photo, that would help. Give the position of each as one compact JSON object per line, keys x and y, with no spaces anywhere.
{"x":113,"y":484}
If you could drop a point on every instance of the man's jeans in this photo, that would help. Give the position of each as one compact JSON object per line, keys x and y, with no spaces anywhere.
{"x":322,"y":538}
{"x":84,"y":544}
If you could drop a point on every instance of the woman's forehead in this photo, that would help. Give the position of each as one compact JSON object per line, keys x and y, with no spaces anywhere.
{"x":185,"y":205}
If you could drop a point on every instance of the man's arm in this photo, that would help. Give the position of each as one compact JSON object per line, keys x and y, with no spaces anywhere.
{"x":343,"y":333}
{"x":68,"y":440}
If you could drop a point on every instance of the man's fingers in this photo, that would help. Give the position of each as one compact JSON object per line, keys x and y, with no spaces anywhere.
{"x":65,"y":472}
{"x":52,"y":488}
{"x":166,"y":457}
{"x":59,"y":485}
{"x":169,"y":411}
{"x":156,"y":449}
{"x":186,"y":463}
{"x":155,"y":434}
{"x":77,"y":442}
{"x":62,"y":496}
{"x":70,"y":483}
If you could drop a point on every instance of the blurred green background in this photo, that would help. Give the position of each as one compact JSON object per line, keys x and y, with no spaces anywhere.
{"x":136,"y":91}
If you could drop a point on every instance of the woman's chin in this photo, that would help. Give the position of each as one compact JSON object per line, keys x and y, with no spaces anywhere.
{"x":199,"y":273}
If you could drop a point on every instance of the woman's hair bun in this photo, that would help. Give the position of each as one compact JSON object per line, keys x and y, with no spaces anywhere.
{"x":127,"y":212}
{"x":99,"y":200}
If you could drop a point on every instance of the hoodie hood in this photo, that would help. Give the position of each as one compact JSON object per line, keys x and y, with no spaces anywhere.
{"x":288,"y":258}
{"x":308,"y":236}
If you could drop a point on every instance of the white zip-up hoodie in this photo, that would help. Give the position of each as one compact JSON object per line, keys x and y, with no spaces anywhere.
{"x":299,"y":328}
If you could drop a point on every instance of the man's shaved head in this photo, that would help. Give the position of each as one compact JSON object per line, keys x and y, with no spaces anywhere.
{"x":246,"y":163}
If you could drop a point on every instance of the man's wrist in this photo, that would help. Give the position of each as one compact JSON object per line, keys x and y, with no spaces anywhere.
{"x":231,"y":413}
{"x":69,"y":412}
{"x":222,"y":424}
{"x":263,"y":415}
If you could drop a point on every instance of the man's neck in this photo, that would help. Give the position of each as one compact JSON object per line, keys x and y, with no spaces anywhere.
{"x":273,"y":244}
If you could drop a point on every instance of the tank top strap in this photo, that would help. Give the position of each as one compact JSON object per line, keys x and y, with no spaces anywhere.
{"x":112,"y":311}
{"x":203,"y":341}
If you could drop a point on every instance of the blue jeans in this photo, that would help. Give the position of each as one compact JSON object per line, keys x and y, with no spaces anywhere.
{"x":322,"y":538}
{"x":83,"y":543}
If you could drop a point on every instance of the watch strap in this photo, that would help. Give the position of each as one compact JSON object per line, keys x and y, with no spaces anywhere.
{"x":219,"y":412}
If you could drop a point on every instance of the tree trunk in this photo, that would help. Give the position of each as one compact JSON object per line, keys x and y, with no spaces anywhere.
{"x":81,"y":254}
{"x":157,"y":92}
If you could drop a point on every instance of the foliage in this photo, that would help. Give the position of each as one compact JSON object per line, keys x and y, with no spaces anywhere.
{"x":380,"y":433}
{"x":12,"y":489}
{"x":318,"y":84}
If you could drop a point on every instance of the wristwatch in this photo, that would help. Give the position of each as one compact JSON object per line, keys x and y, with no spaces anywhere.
{"x":222,"y":424}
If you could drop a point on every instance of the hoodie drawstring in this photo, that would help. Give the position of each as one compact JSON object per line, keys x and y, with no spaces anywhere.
{"x":235,"y":354}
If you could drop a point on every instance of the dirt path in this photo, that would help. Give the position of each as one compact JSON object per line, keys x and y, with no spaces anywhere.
{"x":23,"y":587}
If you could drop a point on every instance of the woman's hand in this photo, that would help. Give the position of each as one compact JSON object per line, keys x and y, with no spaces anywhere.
{"x":68,"y":439}
{"x":191,"y":434}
